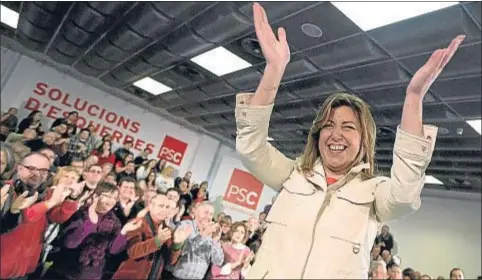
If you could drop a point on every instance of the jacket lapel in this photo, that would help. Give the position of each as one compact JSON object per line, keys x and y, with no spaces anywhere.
{"x":318,"y":177}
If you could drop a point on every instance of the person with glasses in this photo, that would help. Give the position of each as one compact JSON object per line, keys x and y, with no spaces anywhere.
{"x":30,"y":206}
{"x":83,"y":191}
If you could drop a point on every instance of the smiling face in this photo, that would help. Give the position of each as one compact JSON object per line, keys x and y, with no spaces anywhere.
{"x":160,"y":207}
{"x":107,"y":201}
{"x":239,"y":234}
{"x":93,"y":175}
{"x":37,"y":116}
{"x":340,"y":140}
{"x":69,"y":178}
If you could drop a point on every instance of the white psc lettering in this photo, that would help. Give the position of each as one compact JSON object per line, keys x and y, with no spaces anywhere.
{"x":242,"y":195}
{"x":170,"y":155}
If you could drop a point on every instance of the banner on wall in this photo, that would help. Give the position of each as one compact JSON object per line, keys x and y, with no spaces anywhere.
{"x":243,"y":192}
{"x":172,"y":150}
{"x":55,"y":103}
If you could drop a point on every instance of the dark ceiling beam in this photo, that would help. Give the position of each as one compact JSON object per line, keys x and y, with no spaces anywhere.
{"x":439,"y":168}
{"x":174,"y":29}
{"x":59,"y":27}
{"x":474,"y":20}
{"x":120,"y":20}
{"x":20,"y":10}
{"x":438,"y":159}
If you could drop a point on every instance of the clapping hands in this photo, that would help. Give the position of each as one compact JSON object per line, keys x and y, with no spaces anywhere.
{"x":181,"y":234}
{"x":131,"y":226}
{"x":164,"y":233}
{"x":23,"y":202}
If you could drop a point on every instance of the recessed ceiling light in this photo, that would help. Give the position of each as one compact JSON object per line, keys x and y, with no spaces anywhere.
{"x":371,"y":15}
{"x":220,"y":61}
{"x":311,"y":30}
{"x":8,"y":16}
{"x":475,"y":124}
{"x":152,"y":86}
{"x":269,"y":139}
{"x":429,"y":179}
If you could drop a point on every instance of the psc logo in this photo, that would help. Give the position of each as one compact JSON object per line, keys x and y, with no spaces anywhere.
{"x":243,"y":190}
{"x":172,"y":150}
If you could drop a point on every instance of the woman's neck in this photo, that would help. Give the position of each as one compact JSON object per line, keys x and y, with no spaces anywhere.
{"x":335,"y":175}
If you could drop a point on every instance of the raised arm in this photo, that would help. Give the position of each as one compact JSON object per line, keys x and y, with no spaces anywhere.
{"x":414,"y":143}
{"x":253,"y":111}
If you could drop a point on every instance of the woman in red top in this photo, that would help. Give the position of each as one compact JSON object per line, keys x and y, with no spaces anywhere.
{"x":104,"y":153}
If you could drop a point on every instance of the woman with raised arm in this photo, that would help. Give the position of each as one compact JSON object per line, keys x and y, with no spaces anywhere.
{"x":331,"y":204}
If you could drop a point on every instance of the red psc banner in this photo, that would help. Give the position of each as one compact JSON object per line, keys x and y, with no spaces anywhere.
{"x":172,"y":150}
{"x":243,"y":190}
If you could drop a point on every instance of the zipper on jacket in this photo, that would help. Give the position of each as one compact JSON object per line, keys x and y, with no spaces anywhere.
{"x":342,"y":181}
{"x":318,"y":216}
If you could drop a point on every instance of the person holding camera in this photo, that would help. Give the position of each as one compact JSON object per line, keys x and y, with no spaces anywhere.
{"x":28,"y":206}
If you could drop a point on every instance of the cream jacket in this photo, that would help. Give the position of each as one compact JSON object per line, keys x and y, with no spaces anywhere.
{"x":303,"y":241}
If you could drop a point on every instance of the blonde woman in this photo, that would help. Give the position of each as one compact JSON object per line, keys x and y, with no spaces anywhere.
{"x":165,"y":180}
{"x":66,"y":177}
{"x":325,"y":219}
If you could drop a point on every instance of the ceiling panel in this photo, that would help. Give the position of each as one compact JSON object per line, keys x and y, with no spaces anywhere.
{"x":466,"y":61}
{"x":315,"y":87}
{"x":374,"y":75}
{"x":401,"y":40}
{"x":333,"y":24}
{"x":352,"y":51}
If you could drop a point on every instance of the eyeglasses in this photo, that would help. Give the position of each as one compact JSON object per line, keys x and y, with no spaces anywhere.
{"x":95,"y":171}
{"x":41,"y":171}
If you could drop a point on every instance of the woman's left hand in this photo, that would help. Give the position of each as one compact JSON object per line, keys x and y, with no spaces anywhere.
{"x":425,"y":76}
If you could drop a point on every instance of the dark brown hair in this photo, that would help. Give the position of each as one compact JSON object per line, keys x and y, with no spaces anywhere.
{"x":233,"y":229}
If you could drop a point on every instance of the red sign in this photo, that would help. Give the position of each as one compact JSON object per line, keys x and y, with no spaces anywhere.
{"x":172,"y":150}
{"x":243,"y":190}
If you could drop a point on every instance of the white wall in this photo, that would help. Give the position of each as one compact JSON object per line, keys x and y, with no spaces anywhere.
{"x":21,"y":76}
{"x":444,"y":233}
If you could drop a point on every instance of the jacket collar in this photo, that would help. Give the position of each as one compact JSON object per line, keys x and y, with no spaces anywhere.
{"x":319,"y":177}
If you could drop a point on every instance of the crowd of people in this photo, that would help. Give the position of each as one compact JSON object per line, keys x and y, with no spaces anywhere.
{"x":73,"y":207}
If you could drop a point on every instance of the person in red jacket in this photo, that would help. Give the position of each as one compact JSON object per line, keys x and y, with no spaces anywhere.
{"x":104,"y":153}
{"x":20,"y":247}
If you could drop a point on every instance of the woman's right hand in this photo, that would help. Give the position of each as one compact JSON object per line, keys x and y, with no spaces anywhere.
{"x":4,"y":195}
{"x":275,"y":50}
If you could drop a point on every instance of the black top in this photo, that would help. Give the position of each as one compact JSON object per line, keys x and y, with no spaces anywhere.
{"x":387,"y":240}
{"x":139,"y":160}
{"x":59,"y":121}
{"x":25,"y":123}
